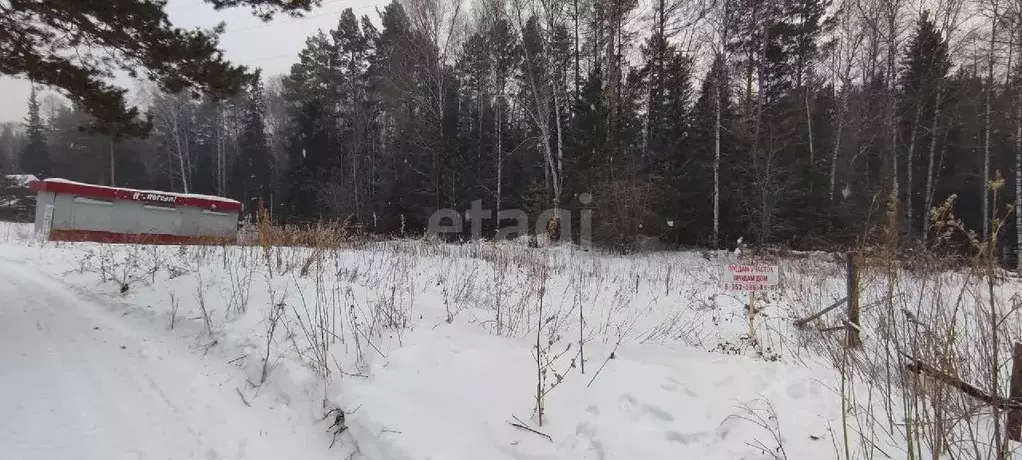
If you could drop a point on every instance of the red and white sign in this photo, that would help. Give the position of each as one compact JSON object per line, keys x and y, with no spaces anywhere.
{"x":153,"y":197}
{"x":751,"y":277}
{"x":214,"y":203}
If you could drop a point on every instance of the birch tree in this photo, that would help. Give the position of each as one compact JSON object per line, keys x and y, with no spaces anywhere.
{"x":993,"y":11}
{"x":950,"y":15}
{"x":1015,"y":21}
{"x":850,"y":37}
{"x":721,"y":22}
{"x":540,"y":95}
{"x":173,"y":115}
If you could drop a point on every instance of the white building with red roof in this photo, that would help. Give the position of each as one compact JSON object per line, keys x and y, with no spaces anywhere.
{"x":74,"y":211}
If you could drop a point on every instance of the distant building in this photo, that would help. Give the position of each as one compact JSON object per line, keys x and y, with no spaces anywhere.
{"x":20,"y":180}
{"x":73,"y":211}
{"x":17,"y":201}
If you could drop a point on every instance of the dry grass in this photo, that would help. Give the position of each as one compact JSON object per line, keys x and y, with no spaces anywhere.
{"x":945,"y":304}
{"x":319,"y":234}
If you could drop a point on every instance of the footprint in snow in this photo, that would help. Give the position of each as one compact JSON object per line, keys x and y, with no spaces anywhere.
{"x":657,"y":413}
{"x":672,"y":385}
{"x":641,"y":411}
{"x":590,"y":435}
{"x":684,"y":438}
{"x":805,"y":388}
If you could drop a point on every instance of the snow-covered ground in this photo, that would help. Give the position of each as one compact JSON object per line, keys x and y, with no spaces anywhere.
{"x":429,"y":350}
{"x":79,"y":381}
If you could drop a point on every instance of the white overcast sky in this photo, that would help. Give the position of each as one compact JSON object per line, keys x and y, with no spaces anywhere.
{"x":273,"y":46}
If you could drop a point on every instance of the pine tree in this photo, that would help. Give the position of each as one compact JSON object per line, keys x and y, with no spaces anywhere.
{"x":8,"y":153}
{"x":414,"y":87}
{"x":776,"y":46}
{"x":35,"y":155}
{"x":352,"y":175}
{"x":74,"y":153}
{"x":587,"y":146}
{"x":313,"y":122}
{"x":667,"y":73}
{"x":252,"y":169}
{"x":55,"y":43}
{"x":669,"y":159}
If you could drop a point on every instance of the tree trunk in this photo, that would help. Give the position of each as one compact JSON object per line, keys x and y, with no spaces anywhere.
{"x":716,"y":162}
{"x":910,"y":163}
{"x":180,"y":152}
{"x":749,"y":69}
{"x":354,"y":151}
{"x":1018,"y":183}
{"x":500,"y":162}
{"x":989,"y":128}
{"x":218,"y":132}
{"x":930,"y":178}
{"x":558,"y":171}
{"x":577,"y":56}
{"x":113,"y":182}
{"x":995,"y":390}
{"x":892,"y":109}
{"x":765,"y":172}
{"x":842,"y":109}
{"x":542,"y":119}
{"x":757,"y":148}
{"x":809,"y":127}
{"x":717,"y":123}
{"x":1018,"y":154}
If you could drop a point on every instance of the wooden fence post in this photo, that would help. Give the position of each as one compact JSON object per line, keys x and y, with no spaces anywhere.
{"x":1013,"y":428}
{"x":852,"y":339}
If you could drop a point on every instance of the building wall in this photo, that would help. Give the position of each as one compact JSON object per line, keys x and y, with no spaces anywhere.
{"x":134,"y":217}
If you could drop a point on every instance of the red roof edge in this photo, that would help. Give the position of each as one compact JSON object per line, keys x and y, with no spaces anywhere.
{"x":114,"y":193}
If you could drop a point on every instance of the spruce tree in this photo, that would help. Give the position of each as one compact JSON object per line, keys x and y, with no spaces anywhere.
{"x":252,"y":168}
{"x":35,"y":156}
{"x":697,"y":223}
{"x":925,"y":66}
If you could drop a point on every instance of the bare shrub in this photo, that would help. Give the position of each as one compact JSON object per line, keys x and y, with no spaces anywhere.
{"x":312,"y":322}
{"x":174,"y":305}
{"x":117,"y":263}
{"x":239,"y":283}
{"x":273,"y":318}
{"x":548,"y":351}
{"x":207,"y":320}
{"x":761,"y":413}
{"x":624,"y":206}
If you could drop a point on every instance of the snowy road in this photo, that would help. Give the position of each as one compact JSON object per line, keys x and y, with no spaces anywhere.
{"x":78,"y":381}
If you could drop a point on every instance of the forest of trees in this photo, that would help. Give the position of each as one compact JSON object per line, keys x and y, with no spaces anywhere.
{"x":787,"y":122}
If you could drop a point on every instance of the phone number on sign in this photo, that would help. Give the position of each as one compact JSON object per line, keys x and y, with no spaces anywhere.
{"x":749,"y":287}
